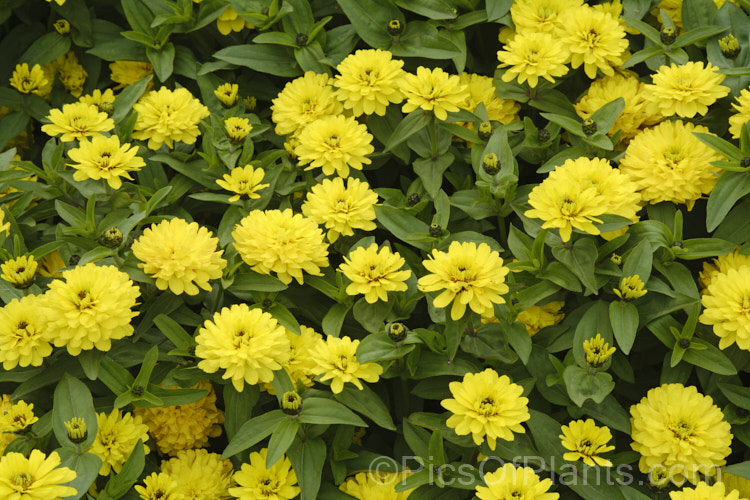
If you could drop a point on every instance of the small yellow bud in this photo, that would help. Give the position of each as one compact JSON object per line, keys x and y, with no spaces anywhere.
{"x":397,"y":332}
{"x":112,"y":238}
{"x":291,"y":403}
{"x":491,"y":164}
{"x":250,"y":103}
{"x":617,"y":259}
{"x":227,"y":94}
{"x":597,"y":351}
{"x":62,"y":26}
{"x":730,"y":47}
{"x":631,"y":287}
{"x":77,"y":431}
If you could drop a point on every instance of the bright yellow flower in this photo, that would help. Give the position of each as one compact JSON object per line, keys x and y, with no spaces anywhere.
{"x":341,"y":208}
{"x":17,"y":418}
{"x":726,"y":301}
{"x":4,"y":225}
{"x":50,"y":264}
{"x":180,"y":256}
{"x":237,"y":128}
{"x":126,"y":73}
{"x":97,"y":97}
{"x":631,"y":288}
{"x":77,"y":121}
{"x":20,"y":271}
{"x":721,"y":264}
{"x":302,"y":101}
{"x":166,"y":116}
{"x":244,"y":181}
{"x":433,"y":90}
{"x":70,"y":72}
{"x":597,"y":351}
{"x":511,"y":482}
{"x":28,"y":81}
{"x":668,"y":163}
{"x":467,"y":274}
{"x":38,"y":477}
{"x":703,"y":491}
{"x":256,"y":482}
{"x":737,"y":120}
{"x":593,"y":38}
{"x":249,"y":344}
{"x":481,"y":89}
{"x":677,"y":429}
{"x":336,"y":360}
{"x":376,"y":485}
{"x":117,"y":435}
{"x":200,"y":475}
{"x":733,"y":482}
{"x":537,"y":317}
{"x":487,"y":406}
{"x":586,"y":441}
{"x":281,"y":242}
{"x":159,"y":486}
{"x":374,"y":273}
{"x":532,"y":55}
{"x":230,"y":21}
{"x":226,"y":93}
{"x":24,"y":337}
{"x":369,"y":81}
{"x":301,"y":363}
{"x":105,"y":158}
{"x":540,"y":15}
{"x":185,"y":426}
{"x":334,"y":143}
{"x":685,"y":90}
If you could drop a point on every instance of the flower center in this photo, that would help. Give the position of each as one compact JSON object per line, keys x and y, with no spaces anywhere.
{"x":568,"y":208}
{"x":84,"y":300}
{"x":22,"y":479}
{"x":487,"y":407}
{"x":268,"y":486}
{"x":342,"y":363}
{"x":334,"y":142}
{"x":681,"y":430}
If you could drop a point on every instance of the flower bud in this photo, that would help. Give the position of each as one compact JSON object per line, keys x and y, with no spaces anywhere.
{"x":412,"y":199}
{"x":435,"y":230}
{"x":250,"y":103}
{"x":589,"y":126}
{"x":395,"y":27}
{"x":106,"y":107}
{"x":631,"y":287}
{"x":543,"y":135}
{"x":62,"y":26}
{"x":597,"y":351}
{"x":226,"y":93}
{"x":667,"y":36}
{"x":74,"y":259}
{"x":485,"y":130}
{"x":137,"y":390}
{"x":730,"y":47}
{"x":684,"y":343}
{"x":397,"y":332}
{"x":112,"y":238}
{"x":616,"y":258}
{"x":291,"y":403}
{"x":77,"y":431}
{"x":301,"y":39}
{"x":490,"y":164}
{"x":745,"y":162}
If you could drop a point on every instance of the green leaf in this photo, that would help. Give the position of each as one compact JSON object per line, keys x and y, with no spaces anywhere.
{"x":238,"y":406}
{"x":371,"y":316}
{"x":378,"y":347}
{"x":719,"y":145}
{"x":581,"y":259}
{"x":606,"y":116}
{"x":308,"y":459}
{"x":730,"y":187}
{"x":367,"y":403}
{"x":255,"y":282}
{"x":334,"y":319}
{"x":272,"y":59}
{"x":709,"y":357}
{"x":624,"y":319}
{"x":173,"y":331}
{"x":85,"y":465}
{"x":72,"y":399}
{"x":520,"y":340}
{"x":413,"y":123}
{"x":370,"y":19}
{"x":638,"y":261}
{"x":162,"y":61}
{"x":431,"y":172}
{"x":700,"y":248}
{"x":149,"y":362}
{"x":582,"y":386}
{"x":253,"y":432}
{"x":431,"y":9}
{"x":327,"y":411}
{"x":125,"y":99}
{"x":736,"y":394}
{"x":45,"y":49}
{"x":403,"y":225}
{"x":281,"y":440}
{"x":131,"y":470}
{"x":497,"y":9}
{"x":697,"y":34}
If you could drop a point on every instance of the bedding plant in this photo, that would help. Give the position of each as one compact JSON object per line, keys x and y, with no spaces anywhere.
{"x":374,"y":249}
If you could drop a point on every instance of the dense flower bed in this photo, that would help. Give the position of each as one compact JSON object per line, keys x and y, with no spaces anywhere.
{"x":374,"y":249}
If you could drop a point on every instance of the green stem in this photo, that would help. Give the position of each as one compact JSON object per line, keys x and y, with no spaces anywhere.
{"x":433,"y":138}
{"x":116,"y":258}
{"x":503,"y":231}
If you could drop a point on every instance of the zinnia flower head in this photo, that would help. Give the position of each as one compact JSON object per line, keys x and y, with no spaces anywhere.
{"x":17,"y":418}
{"x":726,"y":301}
{"x":249,"y":344}
{"x":481,"y":89}
{"x":105,"y":158}
{"x":159,"y":486}
{"x":373,"y":273}
{"x":466,"y":274}
{"x":230,"y":21}
{"x":185,"y":426}
{"x":532,"y":55}
{"x":302,"y":101}
{"x":597,"y":351}
{"x":126,"y":73}
{"x":369,"y":81}
{"x":540,"y":15}
{"x":90,"y":308}
{"x":586,"y":441}
{"x":200,"y":475}
{"x":28,"y":81}
{"x":166,"y":116}
{"x":737,"y":120}
{"x":38,"y":477}
{"x":179,"y":255}
{"x":117,"y":435}
{"x":300,"y":364}
{"x":256,"y":482}
{"x":433,"y":90}
{"x":4,"y":225}
{"x":342,"y":209}
{"x":537,"y":317}
{"x":721,"y":264}
{"x":226,"y":93}
{"x":20,"y":271}
{"x":668,"y":163}
{"x":336,"y":360}
{"x":631,"y":288}
{"x":685,"y":90}
{"x":677,"y":429}
{"x":24,"y":337}
{"x":244,"y":181}
{"x":510,"y":481}
{"x":99,"y":98}
{"x":281,"y":242}
{"x":77,"y":121}
{"x":237,"y":128}
{"x":335,"y":143}
{"x":70,"y":72}
{"x":717,"y":491}
{"x":487,"y":406}
{"x":376,"y":485}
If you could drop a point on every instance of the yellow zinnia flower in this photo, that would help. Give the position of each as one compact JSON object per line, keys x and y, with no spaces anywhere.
{"x":376,"y":485}
{"x":530,"y":56}
{"x":721,"y":264}
{"x":374,"y":273}
{"x":28,"y":81}
{"x":230,"y":21}
{"x":481,"y":89}
{"x":116,"y":436}
{"x":281,"y":242}
{"x":166,"y":116}
{"x":369,"y":81}
{"x":726,"y":301}
{"x":537,"y":317}
{"x":703,"y":491}
{"x":334,"y":143}
{"x":510,"y":481}
{"x":39,"y":477}
{"x":257,"y":481}
{"x":77,"y":121}
{"x":341,"y":209}
{"x":180,"y":256}
{"x":685,"y":90}
{"x":302,"y":101}
{"x":737,"y":120}
{"x":733,"y":482}
{"x":433,"y":90}
{"x":245,"y":181}
{"x":17,"y":418}
{"x":336,"y":359}
{"x":159,"y":486}
{"x":487,"y":406}
{"x":105,"y":158}
{"x":540,"y":15}
{"x":226,"y":93}
{"x":70,"y":72}
{"x":200,"y":475}
{"x":586,"y":441}
{"x":99,"y":98}
{"x":680,"y":431}
{"x":126,"y":73}
{"x":466,"y":274}
{"x":249,"y":344}
{"x":20,"y":271}
{"x":668,"y":163}
{"x":300,"y":364}
{"x":237,"y":128}
{"x":24,"y":337}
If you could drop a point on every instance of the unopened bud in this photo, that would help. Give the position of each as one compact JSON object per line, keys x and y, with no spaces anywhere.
{"x":730,"y":47}
{"x":397,"y":332}
{"x":412,"y":199}
{"x":617,"y":259}
{"x":589,"y":126}
{"x":435,"y":230}
{"x":77,"y":431}
{"x":543,"y":135}
{"x":250,"y":103}
{"x":667,"y":36}
{"x":267,"y":303}
{"x":112,"y":238}
{"x":291,"y":403}
{"x":74,"y":259}
{"x":485,"y":130}
{"x":684,"y":343}
{"x":745,"y":162}
{"x":106,"y":107}
{"x":137,"y":390}
{"x":490,"y":164}
{"x":62,"y":26}
{"x":301,"y":39}
{"x":395,"y":27}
